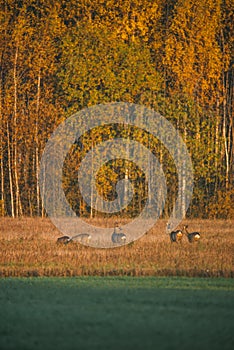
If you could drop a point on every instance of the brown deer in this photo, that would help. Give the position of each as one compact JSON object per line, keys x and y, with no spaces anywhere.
{"x":176,"y":236}
{"x":64,"y":239}
{"x":81,"y":237}
{"x":118,"y":237}
{"x":192,"y":236}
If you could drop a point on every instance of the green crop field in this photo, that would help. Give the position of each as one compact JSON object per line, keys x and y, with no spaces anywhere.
{"x":116,"y":313}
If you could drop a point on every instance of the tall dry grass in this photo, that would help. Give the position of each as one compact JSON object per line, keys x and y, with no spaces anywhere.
{"x":28,"y":248}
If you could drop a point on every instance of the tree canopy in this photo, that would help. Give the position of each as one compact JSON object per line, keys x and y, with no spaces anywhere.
{"x":58,"y":57}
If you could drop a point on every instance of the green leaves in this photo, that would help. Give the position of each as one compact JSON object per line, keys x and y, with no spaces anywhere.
{"x":96,"y":67}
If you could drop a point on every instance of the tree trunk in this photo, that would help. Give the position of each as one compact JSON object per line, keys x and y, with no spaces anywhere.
{"x":1,"y":150}
{"x":227,"y":164}
{"x":17,"y":193}
{"x":10,"y":172}
{"x":92,"y":184}
{"x":37,"y":142}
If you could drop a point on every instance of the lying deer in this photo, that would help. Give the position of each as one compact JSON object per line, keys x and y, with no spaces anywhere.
{"x":64,"y":239}
{"x":82,"y":238}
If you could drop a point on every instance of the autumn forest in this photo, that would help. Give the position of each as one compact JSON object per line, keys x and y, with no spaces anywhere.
{"x":174,"y":56}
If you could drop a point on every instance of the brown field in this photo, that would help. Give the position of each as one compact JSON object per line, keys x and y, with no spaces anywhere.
{"x":28,"y":248}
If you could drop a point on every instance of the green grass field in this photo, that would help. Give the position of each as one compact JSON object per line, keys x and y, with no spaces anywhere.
{"x":116,"y":313}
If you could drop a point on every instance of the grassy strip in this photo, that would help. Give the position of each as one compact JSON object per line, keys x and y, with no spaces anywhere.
{"x":105,"y":272}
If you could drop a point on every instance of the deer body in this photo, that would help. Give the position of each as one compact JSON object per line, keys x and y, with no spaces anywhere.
{"x":64,"y":239}
{"x":118,"y":237}
{"x":192,"y":236}
{"x":82,"y":238}
{"x":176,"y":236}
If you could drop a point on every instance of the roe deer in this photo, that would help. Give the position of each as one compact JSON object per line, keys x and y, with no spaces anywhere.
{"x":81,"y":237}
{"x":176,"y":236}
{"x":192,"y":236}
{"x":64,"y":239}
{"x":118,"y":237}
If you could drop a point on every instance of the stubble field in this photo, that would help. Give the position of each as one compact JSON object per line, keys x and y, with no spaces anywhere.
{"x":28,"y":248}
{"x":100,"y":306}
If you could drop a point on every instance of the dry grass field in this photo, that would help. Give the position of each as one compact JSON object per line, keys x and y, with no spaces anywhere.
{"x":28,"y":248}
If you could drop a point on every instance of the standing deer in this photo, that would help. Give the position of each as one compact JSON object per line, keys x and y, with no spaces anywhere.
{"x":176,"y":236}
{"x":192,"y":236}
{"x":118,"y":237}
